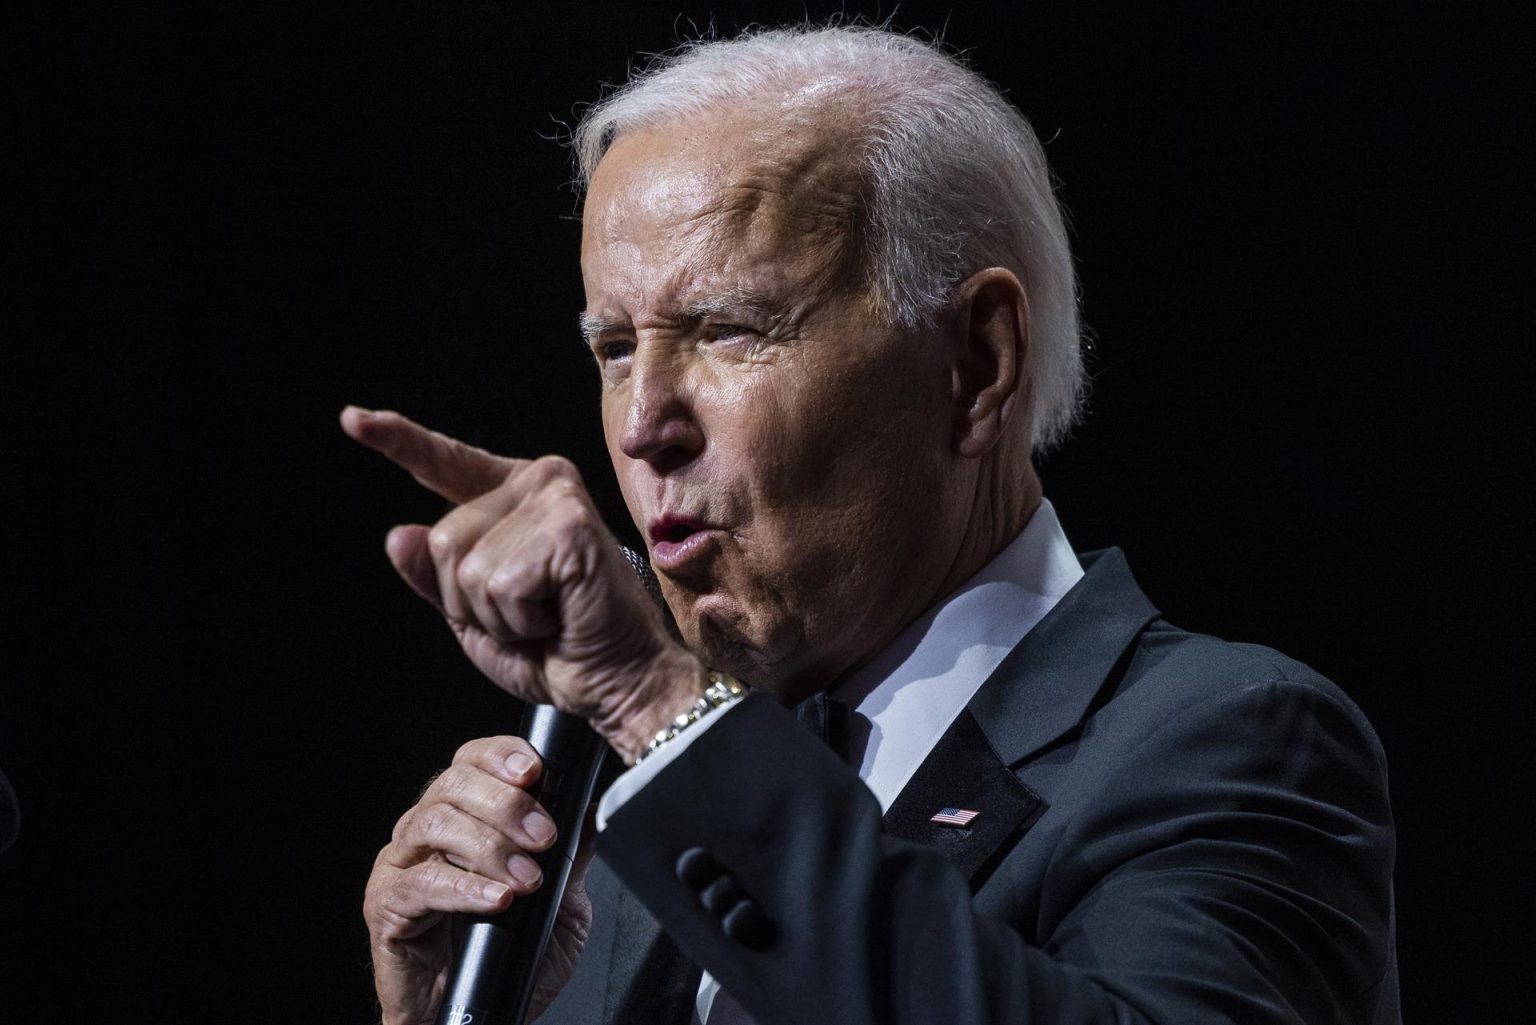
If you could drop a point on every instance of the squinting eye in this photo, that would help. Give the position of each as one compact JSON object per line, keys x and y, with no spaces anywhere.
{"x":610,"y":351}
{"x":722,"y":331}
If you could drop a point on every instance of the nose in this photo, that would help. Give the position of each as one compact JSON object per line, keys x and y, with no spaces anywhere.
{"x":660,"y":426}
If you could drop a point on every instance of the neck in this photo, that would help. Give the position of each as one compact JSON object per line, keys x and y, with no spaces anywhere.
{"x":1002,"y":498}
{"x":1001,"y":509}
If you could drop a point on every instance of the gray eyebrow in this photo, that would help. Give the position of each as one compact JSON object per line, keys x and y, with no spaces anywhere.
{"x":733,"y":300}
{"x":594,"y":324}
{"x":738,"y":299}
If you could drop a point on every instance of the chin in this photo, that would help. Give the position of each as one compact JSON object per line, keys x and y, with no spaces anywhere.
{"x":724,"y":646}
{"x":777,"y":668}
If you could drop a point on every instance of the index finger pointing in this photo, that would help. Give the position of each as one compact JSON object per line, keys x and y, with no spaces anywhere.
{"x":447,"y":466}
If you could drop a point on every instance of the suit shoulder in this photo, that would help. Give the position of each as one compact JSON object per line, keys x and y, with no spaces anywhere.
{"x":1171,"y":670}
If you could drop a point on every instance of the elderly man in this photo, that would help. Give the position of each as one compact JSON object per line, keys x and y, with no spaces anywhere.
{"x":832,"y":306}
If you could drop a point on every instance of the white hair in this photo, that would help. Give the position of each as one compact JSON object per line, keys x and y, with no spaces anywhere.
{"x":955,"y":178}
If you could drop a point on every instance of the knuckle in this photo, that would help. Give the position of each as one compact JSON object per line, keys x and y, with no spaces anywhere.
{"x":426,"y":877}
{"x":486,"y":845}
{"x":571,"y":511}
{"x":510,"y":805}
{"x":568,"y":510}
{"x":503,"y":585}
{"x":471,"y":750}
{"x":435,"y":824}
{"x":472,"y":572}
{"x":582,"y":528}
{"x":559,"y":489}
{"x":453,"y":783}
{"x":557,"y":468}
{"x":466,"y":886}
{"x":441,"y":541}
{"x":383,"y":894}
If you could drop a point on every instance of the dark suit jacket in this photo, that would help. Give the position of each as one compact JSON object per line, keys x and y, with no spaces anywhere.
{"x":1172,"y":829}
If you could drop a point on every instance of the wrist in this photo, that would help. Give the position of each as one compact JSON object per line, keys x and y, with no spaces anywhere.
{"x":674,"y":685}
{"x":723,"y":691}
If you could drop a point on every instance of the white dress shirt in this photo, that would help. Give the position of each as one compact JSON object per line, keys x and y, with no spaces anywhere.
{"x":903,"y":699}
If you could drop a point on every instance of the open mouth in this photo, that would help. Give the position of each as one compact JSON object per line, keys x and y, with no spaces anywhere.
{"x":674,"y":532}
{"x":676,"y":540}
{"x":675,"y":529}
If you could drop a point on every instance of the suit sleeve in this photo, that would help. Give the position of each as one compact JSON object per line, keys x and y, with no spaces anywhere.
{"x":1234,"y":865}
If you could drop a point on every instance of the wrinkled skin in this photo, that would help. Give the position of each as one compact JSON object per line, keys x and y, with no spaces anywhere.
{"x":746,"y":382}
{"x":535,"y":591}
{"x":464,"y":848}
{"x":750,"y":388}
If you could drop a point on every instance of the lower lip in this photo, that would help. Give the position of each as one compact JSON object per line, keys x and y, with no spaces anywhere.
{"x":674,"y":555}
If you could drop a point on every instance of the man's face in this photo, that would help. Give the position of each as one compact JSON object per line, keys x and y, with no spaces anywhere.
{"x":788,"y":457}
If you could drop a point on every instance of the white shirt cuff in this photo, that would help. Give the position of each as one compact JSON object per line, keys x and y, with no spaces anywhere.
{"x":629,"y":784}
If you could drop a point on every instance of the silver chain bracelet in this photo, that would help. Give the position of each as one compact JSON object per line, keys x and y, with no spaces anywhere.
{"x":723,"y":690}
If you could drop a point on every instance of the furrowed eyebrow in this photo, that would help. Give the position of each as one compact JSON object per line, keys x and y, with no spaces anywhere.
{"x":733,"y":300}
{"x":596,"y":324}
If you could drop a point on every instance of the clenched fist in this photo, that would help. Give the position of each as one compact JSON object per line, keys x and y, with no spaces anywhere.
{"x":534,"y":585}
{"x":543,"y":602}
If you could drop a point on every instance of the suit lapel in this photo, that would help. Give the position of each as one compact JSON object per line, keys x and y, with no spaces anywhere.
{"x":1047,"y":684}
{"x":962,"y":771}
{"x":1042,"y":690}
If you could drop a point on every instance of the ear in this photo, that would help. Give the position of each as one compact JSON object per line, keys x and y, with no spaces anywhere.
{"x":991,"y":382}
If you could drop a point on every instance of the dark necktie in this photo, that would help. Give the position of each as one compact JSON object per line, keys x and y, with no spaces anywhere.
{"x":827,"y":717}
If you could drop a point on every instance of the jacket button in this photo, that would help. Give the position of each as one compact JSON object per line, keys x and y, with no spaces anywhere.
{"x":721,"y":895}
{"x":696,"y":868}
{"x":746,"y":924}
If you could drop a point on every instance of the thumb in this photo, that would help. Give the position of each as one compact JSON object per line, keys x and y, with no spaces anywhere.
{"x":408,"y":553}
{"x":447,"y":466}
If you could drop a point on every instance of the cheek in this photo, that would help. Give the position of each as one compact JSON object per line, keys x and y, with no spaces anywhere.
{"x":775,"y":432}
{"x":844,"y":434}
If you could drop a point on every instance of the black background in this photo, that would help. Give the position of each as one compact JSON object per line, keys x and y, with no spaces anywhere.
{"x":1300,"y":232}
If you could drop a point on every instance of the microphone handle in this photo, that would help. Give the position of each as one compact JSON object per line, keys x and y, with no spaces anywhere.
{"x":497,"y":964}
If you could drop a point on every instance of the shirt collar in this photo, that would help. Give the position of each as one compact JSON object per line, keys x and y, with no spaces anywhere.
{"x":906,"y":696}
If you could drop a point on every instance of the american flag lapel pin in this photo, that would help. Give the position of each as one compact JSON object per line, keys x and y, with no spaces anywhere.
{"x":960,"y":818}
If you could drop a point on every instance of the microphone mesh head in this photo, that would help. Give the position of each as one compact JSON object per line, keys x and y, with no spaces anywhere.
{"x":642,"y":568}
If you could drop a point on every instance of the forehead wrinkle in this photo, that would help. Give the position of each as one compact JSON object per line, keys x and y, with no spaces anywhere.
{"x":806,"y":195}
{"x":803,"y":197}
{"x":669,"y":304}
{"x":788,"y":206}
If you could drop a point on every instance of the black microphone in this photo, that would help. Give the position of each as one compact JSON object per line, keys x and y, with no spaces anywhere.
{"x":497,"y":964}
